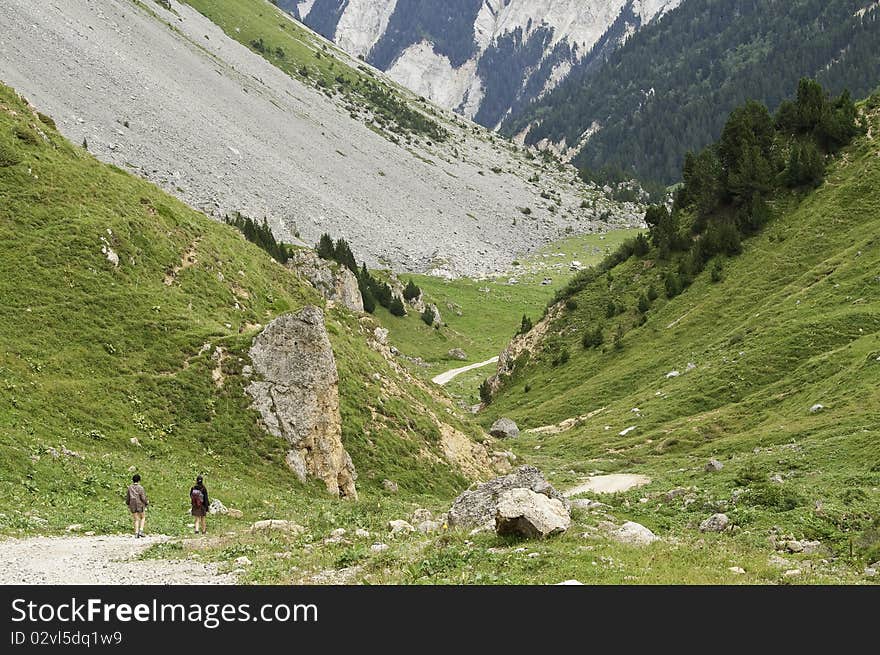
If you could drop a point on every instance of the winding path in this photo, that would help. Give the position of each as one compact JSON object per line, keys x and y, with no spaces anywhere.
{"x":443,"y":378}
{"x":106,"y":560}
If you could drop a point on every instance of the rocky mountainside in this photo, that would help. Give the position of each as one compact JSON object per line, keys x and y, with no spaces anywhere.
{"x":482,"y":58}
{"x":241,"y":108}
{"x":668,"y":89}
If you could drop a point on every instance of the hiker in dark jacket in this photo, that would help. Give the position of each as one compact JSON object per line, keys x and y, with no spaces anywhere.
{"x":198,"y":496}
{"x":136,"y":499}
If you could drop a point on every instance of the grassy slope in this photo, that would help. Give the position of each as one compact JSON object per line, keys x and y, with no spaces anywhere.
{"x":795,"y":321}
{"x":93,"y":356}
{"x":490,"y":309}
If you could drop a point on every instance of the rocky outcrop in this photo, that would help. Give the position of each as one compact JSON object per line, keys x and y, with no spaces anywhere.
{"x":524,"y":513}
{"x":504,"y":428}
{"x":296,"y":392}
{"x":477,"y":507}
{"x":520,"y":345}
{"x":457,"y":353}
{"x":335,"y":283}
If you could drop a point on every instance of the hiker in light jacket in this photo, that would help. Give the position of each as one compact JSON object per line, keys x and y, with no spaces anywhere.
{"x":198,"y":496}
{"x":136,"y":499}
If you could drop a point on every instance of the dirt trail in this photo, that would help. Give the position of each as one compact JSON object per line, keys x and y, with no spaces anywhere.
{"x":609,"y":484}
{"x":448,"y":376}
{"x":98,"y":560}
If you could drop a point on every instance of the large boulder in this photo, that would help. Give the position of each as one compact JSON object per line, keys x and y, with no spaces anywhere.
{"x":524,"y":513}
{"x":715,"y":523}
{"x":334,"y":282}
{"x":296,"y":392}
{"x":504,"y":428}
{"x":477,"y":507}
{"x":634,"y":534}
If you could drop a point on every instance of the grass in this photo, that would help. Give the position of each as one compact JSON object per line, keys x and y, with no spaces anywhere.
{"x":794,"y":321}
{"x":481,"y":316}
{"x":114,"y":362}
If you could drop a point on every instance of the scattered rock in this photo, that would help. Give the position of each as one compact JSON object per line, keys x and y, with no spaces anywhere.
{"x":626,"y":431}
{"x":713,"y":466}
{"x":690,"y":367}
{"x":634,"y":534}
{"x":243,"y":561}
{"x":738,"y":570}
{"x":672,"y":494}
{"x":381,"y":335}
{"x":524,"y":513}
{"x":276,"y":524}
{"x":672,"y":374}
{"x":504,"y":428}
{"x":776,"y":479}
{"x":794,"y":547}
{"x":427,"y":527}
{"x":457,"y":353}
{"x":217,"y":507}
{"x":421,"y":515}
{"x":297,"y":395}
{"x":338,"y":533}
{"x":76,"y":527}
{"x":335,"y":283}
{"x":477,"y":507}
{"x":816,"y":408}
{"x":586,"y":503}
{"x":715,"y":523}
{"x":390,"y":486}
{"x":569,"y":582}
{"x":792,"y":573}
{"x":378,"y":548}
{"x":398,"y":526}
{"x":234,"y":513}
{"x":363,"y":534}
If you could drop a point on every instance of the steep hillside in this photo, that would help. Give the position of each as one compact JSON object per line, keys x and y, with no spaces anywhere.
{"x":669,"y":88}
{"x":240,"y":108}
{"x":125,"y":330}
{"x":769,"y":362}
{"x":484,"y":59}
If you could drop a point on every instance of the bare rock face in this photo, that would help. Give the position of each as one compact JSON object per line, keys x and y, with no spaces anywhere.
{"x":296,"y":391}
{"x":524,"y":513}
{"x":335,"y":283}
{"x":521,"y":345}
{"x":477,"y":507}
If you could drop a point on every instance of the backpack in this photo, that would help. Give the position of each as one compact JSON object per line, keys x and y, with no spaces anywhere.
{"x":197,"y":497}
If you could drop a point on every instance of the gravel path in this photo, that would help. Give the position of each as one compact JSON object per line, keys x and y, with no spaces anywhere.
{"x":215,"y":124}
{"x":97,"y":560}
{"x":443,"y":378}
{"x":609,"y":484}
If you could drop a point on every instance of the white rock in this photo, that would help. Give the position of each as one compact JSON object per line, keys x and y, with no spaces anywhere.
{"x":243,"y":561}
{"x":625,"y":432}
{"x":817,"y":408}
{"x":363,"y":534}
{"x":398,"y":526}
{"x":570,"y":583}
{"x":737,"y":569}
{"x":672,"y":374}
{"x":379,"y":548}
{"x":715,"y":523}
{"x":634,"y":534}
{"x":528,"y":514}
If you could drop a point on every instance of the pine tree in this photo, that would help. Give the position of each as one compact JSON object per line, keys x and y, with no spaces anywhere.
{"x":411,"y":291}
{"x":325,"y":247}
{"x":428,"y":316}
{"x":396,"y":307}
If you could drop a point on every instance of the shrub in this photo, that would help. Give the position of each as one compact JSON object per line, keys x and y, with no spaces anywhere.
{"x":525,"y":326}
{"x":777,"y":496}
{"x":411,"y":291}
{"x":717,"y":270}
{"x":47,"y":120}
{"x":644,"y":305}
{"x":593,"y":338}
{"x":610,"y":309}
{"x":26,"y":135}
{"x":428,"y":316}
{"x":618,"y":337}
{"x":673,"y":284}
{"x":485,"y":392}
{"x":396,"y":307}
{"x":652,"y":293}
{"x":571,"y":304}
{"x":8,"y":156}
